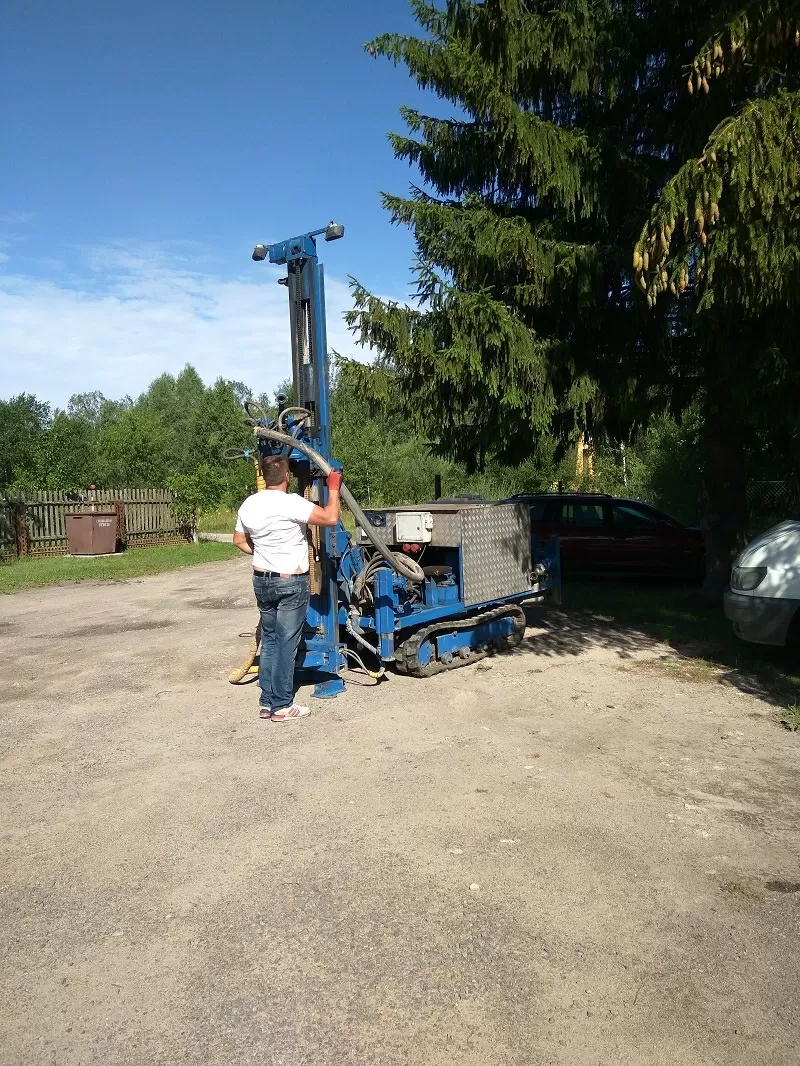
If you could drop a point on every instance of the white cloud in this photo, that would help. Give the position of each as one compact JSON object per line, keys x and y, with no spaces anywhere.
{"x":121,"y":319}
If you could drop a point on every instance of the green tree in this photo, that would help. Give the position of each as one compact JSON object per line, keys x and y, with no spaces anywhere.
{"x":133,"y":451}
{"x":87,"y":406}
{"x":526,"y":321}
{"x":174,"y":401}
{"x":385,"y":459}
{"x":569,"y":121}
{"x":723,"y":243}
{"x":216,"y":422}
{"x":65,"y":454}
{"x":23,"y":420}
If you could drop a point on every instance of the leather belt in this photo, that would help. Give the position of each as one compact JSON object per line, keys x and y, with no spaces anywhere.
{"x":273,"y":573}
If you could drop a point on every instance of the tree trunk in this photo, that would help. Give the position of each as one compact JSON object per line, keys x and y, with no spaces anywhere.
{"x":724,"y":491}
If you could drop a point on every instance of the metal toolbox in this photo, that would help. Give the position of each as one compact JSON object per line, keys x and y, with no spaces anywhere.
{"x":494,"y":541}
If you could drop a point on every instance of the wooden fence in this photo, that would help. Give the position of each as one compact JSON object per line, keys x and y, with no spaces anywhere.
{"x":8,"y":533}
{"x":36,"y":525}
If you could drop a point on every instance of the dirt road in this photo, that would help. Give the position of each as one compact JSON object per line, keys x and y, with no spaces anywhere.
{"x":566,"y":858}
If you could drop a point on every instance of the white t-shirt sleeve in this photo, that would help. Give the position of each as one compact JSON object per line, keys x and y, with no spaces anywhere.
{"x":300,"y":509}
{"x":239,"y":523}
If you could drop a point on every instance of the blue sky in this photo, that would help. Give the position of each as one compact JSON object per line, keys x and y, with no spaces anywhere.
{"x":147,"y":147}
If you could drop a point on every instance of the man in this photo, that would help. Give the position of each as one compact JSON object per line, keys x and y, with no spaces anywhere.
{"x":271,"y":526}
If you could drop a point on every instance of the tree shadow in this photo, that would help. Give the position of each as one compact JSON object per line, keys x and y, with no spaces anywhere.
{"x":564,"y":632}
{"x":687,"y":638}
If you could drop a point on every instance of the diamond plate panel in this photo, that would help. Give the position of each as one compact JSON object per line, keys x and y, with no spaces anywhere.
{"x":446,"y":525}
{"x":446,"y":529}
{"x":496,"y":551}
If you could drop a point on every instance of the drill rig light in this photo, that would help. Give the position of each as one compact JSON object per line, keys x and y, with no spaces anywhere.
{"x":299,"y":247}
{"x":334,"y":231}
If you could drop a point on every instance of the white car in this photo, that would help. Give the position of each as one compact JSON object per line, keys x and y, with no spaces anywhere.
{"x":763,"y":600}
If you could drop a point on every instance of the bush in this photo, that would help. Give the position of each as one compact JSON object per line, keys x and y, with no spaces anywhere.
{"x":194,"y":493}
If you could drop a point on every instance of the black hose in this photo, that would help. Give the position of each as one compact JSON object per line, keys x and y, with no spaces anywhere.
{"x":399,"y":563}
{"x":255,"y":410}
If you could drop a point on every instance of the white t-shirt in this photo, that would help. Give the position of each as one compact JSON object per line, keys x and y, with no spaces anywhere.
{"x":276,"y":522}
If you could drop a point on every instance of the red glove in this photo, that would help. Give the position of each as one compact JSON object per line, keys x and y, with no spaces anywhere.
{"x":334,"y":480}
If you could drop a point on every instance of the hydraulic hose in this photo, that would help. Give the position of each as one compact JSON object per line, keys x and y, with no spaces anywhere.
{"x":406,"y":567}
{"x":377,"y":674}
{"x":360,"y":640}
{"x":291,"y":411}
{"x":255,"y":410}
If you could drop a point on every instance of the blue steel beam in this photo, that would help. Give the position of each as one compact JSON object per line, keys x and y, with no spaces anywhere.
{"x":322,"y":652}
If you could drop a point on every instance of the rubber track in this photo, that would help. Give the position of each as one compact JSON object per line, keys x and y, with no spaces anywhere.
{"x":406,"y":656}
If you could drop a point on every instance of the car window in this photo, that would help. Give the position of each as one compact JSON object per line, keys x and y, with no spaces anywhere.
{"x":659,"y":517}
{"x":564,"y":513}
{"x":624,"y":514}
{"x":552,"y":512}
{"x":588,"y":514}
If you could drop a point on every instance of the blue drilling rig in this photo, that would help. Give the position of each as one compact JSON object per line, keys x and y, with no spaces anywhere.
{"x":425,"y":588}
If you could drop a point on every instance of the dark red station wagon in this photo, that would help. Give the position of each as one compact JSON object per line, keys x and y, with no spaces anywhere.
{"x":604,"y":533}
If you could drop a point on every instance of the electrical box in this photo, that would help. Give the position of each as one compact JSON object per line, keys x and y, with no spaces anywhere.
{"x":413,"y":527}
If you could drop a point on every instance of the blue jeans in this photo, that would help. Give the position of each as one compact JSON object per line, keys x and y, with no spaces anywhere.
{"x":282,"y":602}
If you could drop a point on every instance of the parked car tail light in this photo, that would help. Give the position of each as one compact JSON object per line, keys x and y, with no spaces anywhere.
{"x":747,"y":578}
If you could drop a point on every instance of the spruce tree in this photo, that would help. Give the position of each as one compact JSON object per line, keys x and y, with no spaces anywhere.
{"x":569,"y":124}
{"x":722,"y":247}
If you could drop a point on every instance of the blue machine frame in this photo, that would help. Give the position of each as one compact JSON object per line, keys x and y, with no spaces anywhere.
{"x":394,"y":614}
{"x":322,"y":652}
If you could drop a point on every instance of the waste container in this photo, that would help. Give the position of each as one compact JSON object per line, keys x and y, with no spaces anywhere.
{"x":92,"y":533}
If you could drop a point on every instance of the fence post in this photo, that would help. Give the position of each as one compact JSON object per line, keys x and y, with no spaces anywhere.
{"x":122,"y":532}
{"x":21,"y":529}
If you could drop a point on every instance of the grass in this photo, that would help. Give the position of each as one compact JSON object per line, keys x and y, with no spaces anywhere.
{"x":791,"y":718}
{"x":28,"y":573}
{"x":683,"y":669}
{"x":703,"y":638}
{"x":220,"y":520}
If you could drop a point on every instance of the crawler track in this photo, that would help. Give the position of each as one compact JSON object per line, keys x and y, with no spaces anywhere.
{"x":407,"y":656}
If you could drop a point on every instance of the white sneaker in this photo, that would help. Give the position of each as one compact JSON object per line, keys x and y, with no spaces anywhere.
{"x":290,"y":714}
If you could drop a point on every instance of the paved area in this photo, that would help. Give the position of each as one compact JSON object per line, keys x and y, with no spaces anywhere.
{"x":560,"y":856}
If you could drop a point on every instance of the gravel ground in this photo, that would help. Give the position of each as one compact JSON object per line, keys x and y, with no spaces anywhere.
{"x":560,"y":856}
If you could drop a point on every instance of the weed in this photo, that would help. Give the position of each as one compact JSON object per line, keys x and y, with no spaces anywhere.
{"x":790,"y":718}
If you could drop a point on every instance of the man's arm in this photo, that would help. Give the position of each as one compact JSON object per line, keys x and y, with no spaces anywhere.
{"x":329,"y":514}
{"x":242,"y":541}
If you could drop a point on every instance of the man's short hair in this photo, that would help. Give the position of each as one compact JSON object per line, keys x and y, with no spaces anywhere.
{"x":274,"y":469}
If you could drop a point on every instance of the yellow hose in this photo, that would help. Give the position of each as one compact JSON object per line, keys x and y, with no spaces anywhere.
{"x":238,"y":675}
{"x":260,"y":482}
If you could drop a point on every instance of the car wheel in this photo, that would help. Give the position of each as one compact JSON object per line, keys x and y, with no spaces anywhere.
{"x":793,"y":634}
